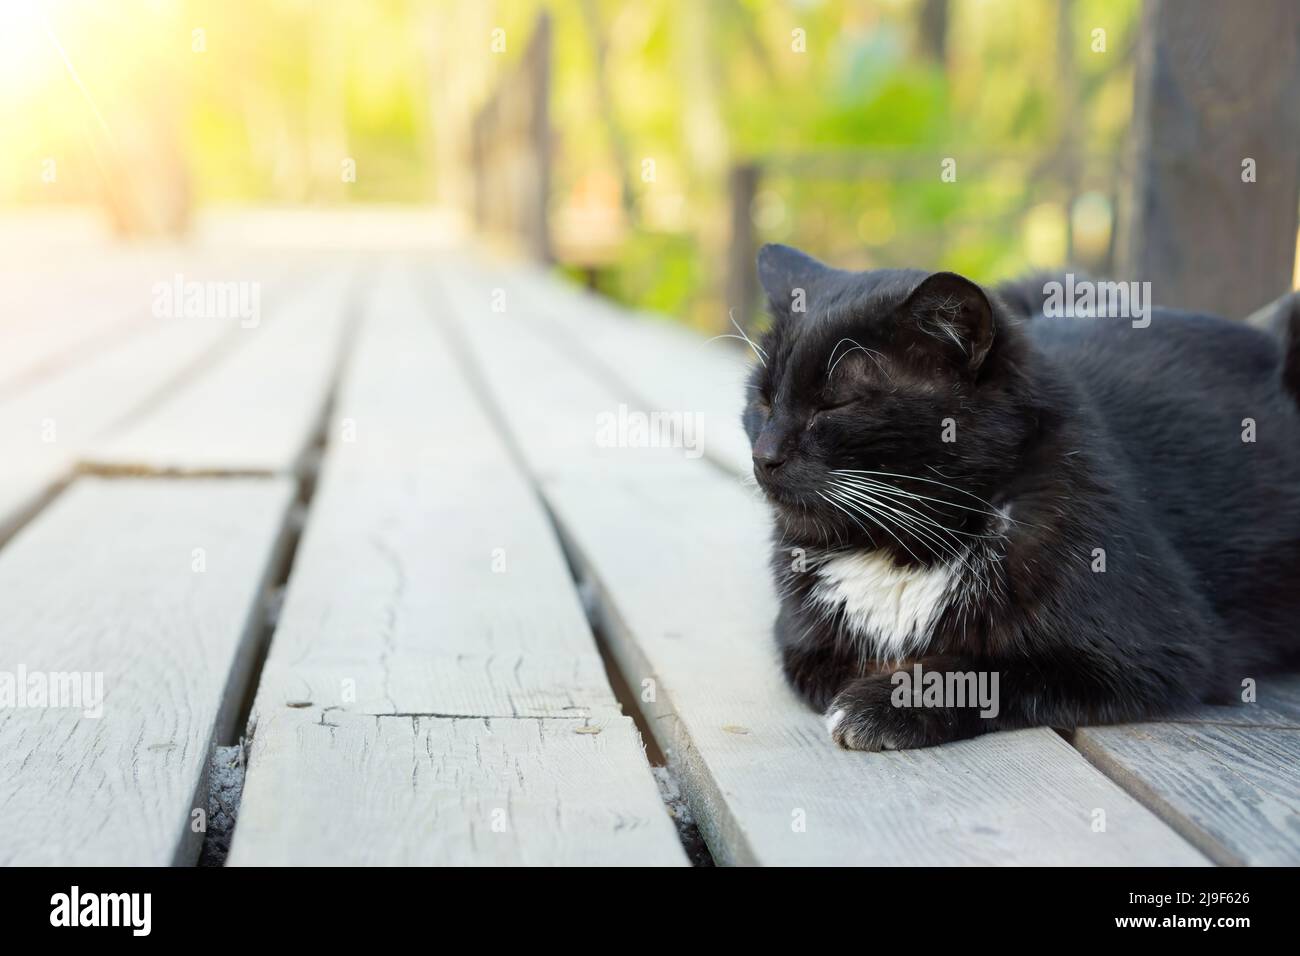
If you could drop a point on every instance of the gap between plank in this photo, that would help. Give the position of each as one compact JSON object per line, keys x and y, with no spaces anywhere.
{"x":225,"y":789}
{"x":670,"y":789}
{"x":235,"y":339}
{"x":227,"y":346}
{"x":1146,"y":795}
{"x":131,"y":324}
{"x":56,"y":488}
{"x":125,"y":330}
{"x":10,"y":529}
{"x":196,"y":366}
{"x":605,"y":375}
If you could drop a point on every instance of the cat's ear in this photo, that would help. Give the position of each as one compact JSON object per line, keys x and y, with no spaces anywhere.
{"x":788,"y":277}
{"x":956,"y":313}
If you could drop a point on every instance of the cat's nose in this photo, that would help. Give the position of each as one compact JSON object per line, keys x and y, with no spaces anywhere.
{"x":769,"y":450}
{"x":768,"y":461}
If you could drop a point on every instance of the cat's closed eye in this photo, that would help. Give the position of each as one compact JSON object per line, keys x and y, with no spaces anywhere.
{"x":836,"y":406}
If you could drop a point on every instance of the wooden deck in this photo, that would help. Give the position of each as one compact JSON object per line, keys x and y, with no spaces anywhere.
{"x":378,"y":535}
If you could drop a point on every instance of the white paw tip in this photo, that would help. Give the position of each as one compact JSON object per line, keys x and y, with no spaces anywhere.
{"x":833,"y":720}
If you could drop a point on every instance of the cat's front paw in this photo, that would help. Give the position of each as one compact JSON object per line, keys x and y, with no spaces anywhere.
{"x":860,"y":717}
{"x":865,"y":716}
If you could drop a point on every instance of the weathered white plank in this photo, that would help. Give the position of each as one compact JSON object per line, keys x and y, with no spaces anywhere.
{"x":257,"y":410}
{"x":48,"y":420}
{"x":156,"y":586}
{"x":433,"y":674}
{"x":361,"y":790}
{"x":55,"y":319}
{"x":62,"y":283}
{"x":1227,"y":778}
{"x":676,"y":554}
{"x":666,"y":366}
{"x":43,"y":429}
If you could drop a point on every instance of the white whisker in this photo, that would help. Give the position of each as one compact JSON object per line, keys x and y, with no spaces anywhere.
{"x":743,"y":337}
{"x":893,"y":491}
{"x":883,"y":527}
{"x":927,"y":531}
{"x":993,"y":511}
{"x":738,"y":338}
{"x":872,"y":353}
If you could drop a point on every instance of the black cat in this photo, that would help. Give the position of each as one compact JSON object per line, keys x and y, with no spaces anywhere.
{"x":1102,"y":517}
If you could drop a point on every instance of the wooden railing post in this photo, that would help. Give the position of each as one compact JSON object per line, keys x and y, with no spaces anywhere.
{"x":537,"y":77}
{"x":510,"y":148}
{"x":1211,"y":220}
{"x":742,"y":272}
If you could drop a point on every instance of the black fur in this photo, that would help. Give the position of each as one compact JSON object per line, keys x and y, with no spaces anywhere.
{"x":1072,"y":434}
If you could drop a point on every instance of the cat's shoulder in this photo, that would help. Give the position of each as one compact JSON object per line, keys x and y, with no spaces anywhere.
{"x":1168,"y":338}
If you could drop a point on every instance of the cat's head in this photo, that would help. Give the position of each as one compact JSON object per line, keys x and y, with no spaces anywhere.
{"x":883,"y":405}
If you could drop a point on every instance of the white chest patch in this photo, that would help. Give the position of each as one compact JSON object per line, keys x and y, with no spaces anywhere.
{"x":889,"y":609}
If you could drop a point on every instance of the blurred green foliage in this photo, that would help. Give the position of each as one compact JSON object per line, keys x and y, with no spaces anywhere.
{"x":849,"y":109}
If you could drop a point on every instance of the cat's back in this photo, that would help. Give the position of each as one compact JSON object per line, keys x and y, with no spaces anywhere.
{"x":1171,"y":346}
{"x":1209,"y":439}
{"x":1184,"y":392}
{"x":1169,"y":387}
